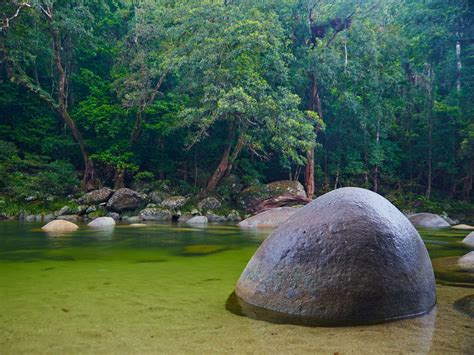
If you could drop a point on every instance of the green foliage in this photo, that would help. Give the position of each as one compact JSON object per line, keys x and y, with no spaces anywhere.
{"x":160,"y":90}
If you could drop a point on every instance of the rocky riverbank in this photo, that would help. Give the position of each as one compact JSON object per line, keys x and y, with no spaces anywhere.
{"x":255,"y":206}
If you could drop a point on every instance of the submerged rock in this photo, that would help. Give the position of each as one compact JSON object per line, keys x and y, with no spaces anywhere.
{"x":60,"y":226}
{"x":349,"y":257}
{"x":101,"y":222}
{"x":469,"y":240}
{"x":126,"y":199}
{"x":271,"y":218}
{"x":466,"y":227}
{"x":428,"y":220}
{"x":466,"y":262}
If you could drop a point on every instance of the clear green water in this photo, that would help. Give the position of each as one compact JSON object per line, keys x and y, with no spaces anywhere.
{"x":163,"y":289}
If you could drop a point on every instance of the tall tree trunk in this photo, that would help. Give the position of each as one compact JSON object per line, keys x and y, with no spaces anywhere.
{"x":430,"y":132}
{"x":89,"y":180}
{"x":224,"y":162}
{"x":314,"y":105}
{"x":467,"y":187}
{"x":376,"y":168}
{"x":119,"y":179}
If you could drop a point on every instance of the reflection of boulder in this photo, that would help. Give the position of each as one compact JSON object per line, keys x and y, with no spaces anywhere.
{"x":350,"y":256}
{"x":269,"y":219}
{"x":428,"y":220}
{"x":59,"y":225}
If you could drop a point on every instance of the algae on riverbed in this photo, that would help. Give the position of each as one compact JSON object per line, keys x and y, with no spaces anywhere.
{"x":132,"y":292}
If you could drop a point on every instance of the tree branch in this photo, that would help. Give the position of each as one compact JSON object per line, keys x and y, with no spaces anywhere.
{"x":6,"y":22}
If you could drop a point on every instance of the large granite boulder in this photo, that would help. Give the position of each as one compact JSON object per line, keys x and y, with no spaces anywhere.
{"x":469,"y":240}
{"x":58,"y":226}
{"x":428,"y":220}
{"x":102,"y":222}
{"x":269,"y":219}
{"x":126,"y":199}
{"x":349,"y":257}
{"x":155,"y":214}
{"x":97,"y":196}
{"x":254,"y":195}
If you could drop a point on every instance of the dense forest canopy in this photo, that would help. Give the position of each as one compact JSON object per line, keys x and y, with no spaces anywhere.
{"x":370,"y":93}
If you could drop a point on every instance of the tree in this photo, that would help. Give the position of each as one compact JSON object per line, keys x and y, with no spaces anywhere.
{"x":64,"y":25}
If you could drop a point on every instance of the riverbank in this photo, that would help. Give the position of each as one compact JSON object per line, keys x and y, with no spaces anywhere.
{"x":148,"y":203}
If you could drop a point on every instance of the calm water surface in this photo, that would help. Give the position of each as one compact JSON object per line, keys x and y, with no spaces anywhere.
{"x":163,"y":288}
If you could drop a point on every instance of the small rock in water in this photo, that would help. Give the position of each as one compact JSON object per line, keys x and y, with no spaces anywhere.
{"x":197,"y":220}
{"x":463,"y":227}
{"x":466,"y":262}
{"x":469,"y":240}
{"x":428,"y":220}
{"x":348,"y":257}
{"x":137,"y":225}
{"x":101,"y":222}
{"x":271,"y":218}
{"x":60,"y":226}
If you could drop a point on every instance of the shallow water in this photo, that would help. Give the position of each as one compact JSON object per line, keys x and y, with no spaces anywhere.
{"x":163,"y":288}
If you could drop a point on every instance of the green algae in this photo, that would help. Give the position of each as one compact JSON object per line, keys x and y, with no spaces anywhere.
{"x":132,"y":291}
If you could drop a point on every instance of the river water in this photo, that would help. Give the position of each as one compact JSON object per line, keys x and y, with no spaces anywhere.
{"x":163,"y":289}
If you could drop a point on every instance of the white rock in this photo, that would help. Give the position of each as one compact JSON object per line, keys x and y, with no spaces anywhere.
{"x":101,"y":222}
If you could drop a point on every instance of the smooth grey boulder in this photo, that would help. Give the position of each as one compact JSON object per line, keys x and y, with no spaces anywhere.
{"x":197,"y":220}
{"x":101,"y":222}
{"x":97,"y":196}
{"x":469,"y":240}
{"x":348,"y":257}
{"x":428,"y":220}
{"x":271,"y":218}
{"x":126,"y":199}
{"x":155,"y":214}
